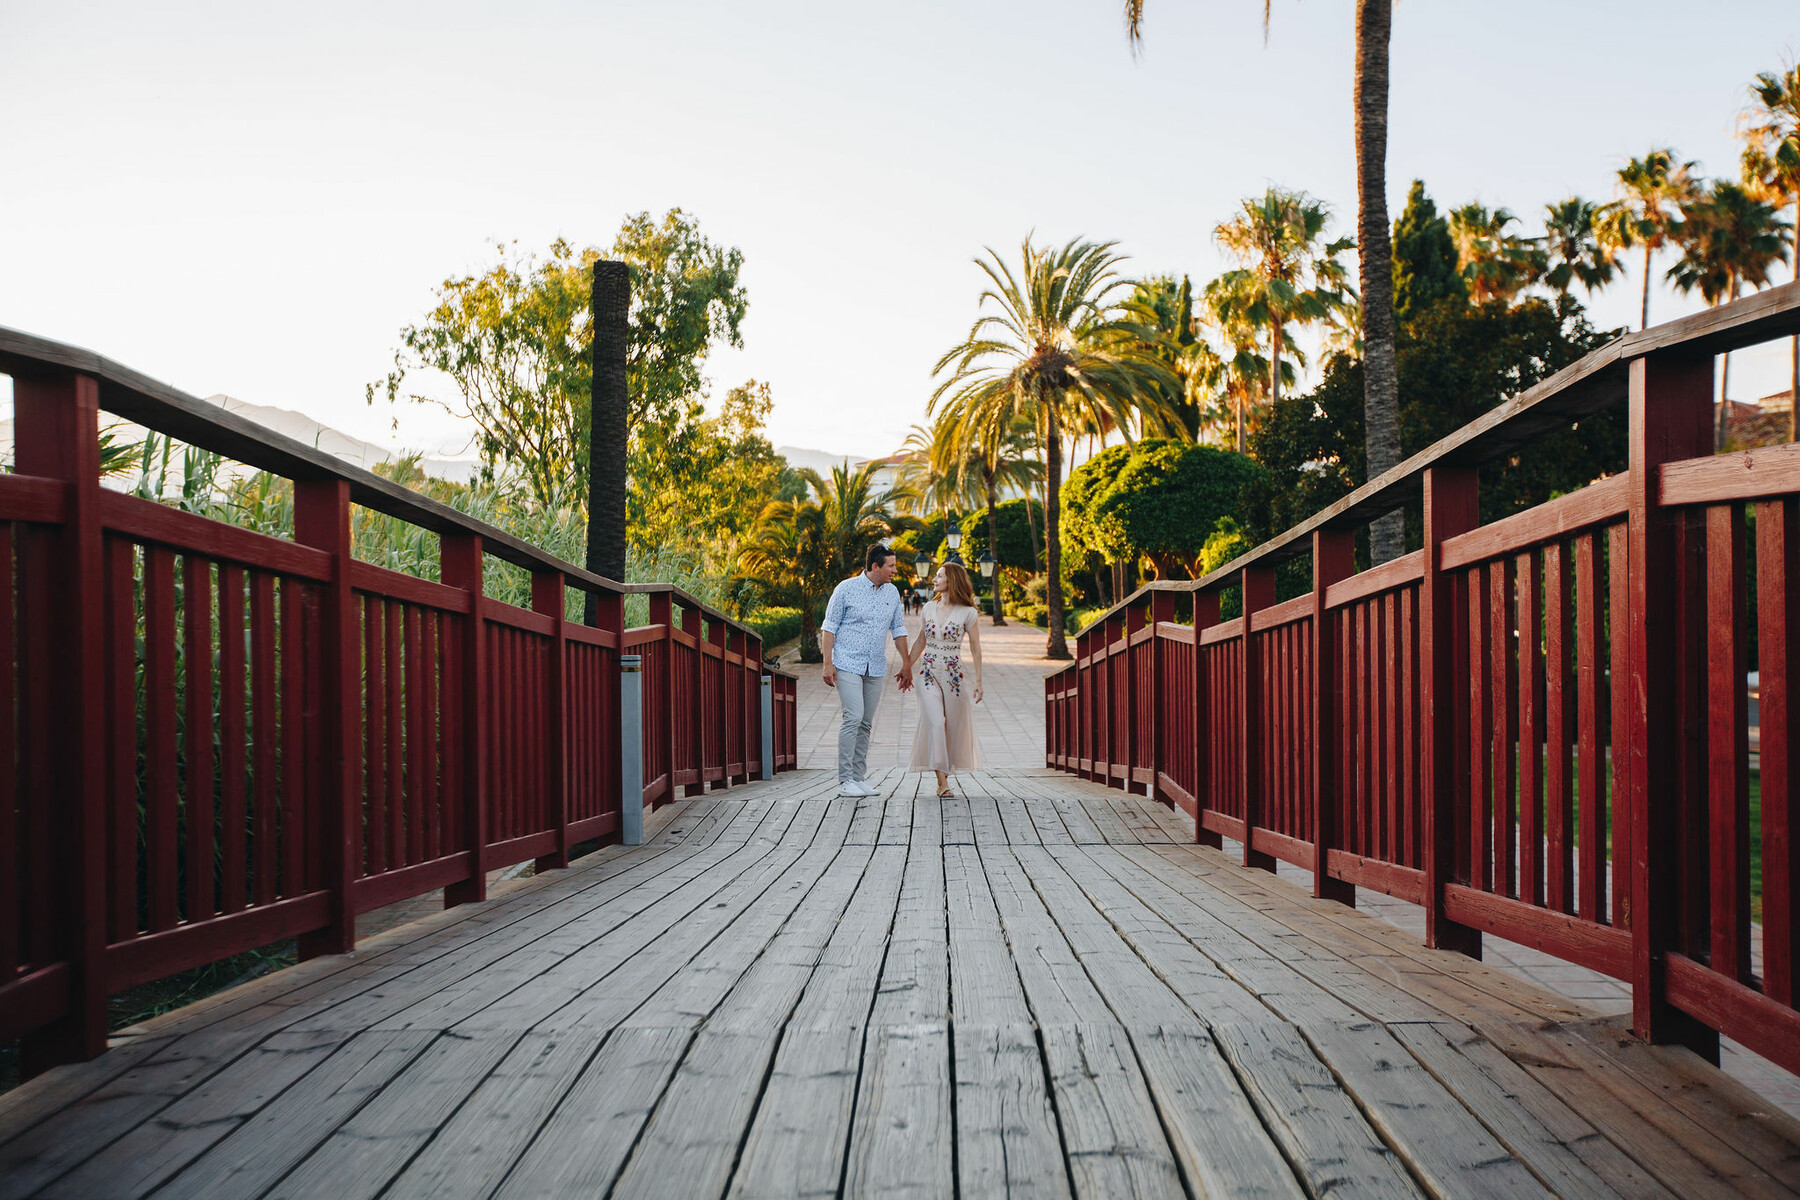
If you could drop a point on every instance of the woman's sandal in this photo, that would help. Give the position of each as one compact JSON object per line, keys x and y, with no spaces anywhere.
{"x":946,"y":794}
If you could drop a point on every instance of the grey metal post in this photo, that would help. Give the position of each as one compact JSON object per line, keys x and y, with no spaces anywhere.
{"x":768,"y":726}
{"x":631,"y":749}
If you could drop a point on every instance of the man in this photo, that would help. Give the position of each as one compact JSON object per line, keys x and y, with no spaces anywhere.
{"x":865,"y":611}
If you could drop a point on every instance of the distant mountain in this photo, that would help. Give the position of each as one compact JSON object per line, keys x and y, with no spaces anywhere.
{"x":819,"y":460}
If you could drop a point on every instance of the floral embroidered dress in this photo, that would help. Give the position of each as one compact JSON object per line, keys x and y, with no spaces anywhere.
{"x":945,"y":739}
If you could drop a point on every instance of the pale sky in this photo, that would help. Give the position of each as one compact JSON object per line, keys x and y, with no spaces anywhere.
{"x":253,"y":199}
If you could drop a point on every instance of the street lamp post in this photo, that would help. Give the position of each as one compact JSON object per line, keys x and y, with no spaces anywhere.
{"x":954,"y":537}
{"x":986,"y":562}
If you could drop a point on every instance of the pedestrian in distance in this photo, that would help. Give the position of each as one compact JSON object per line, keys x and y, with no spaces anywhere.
{"x":945,"y":738}
{"x":865,"y":611}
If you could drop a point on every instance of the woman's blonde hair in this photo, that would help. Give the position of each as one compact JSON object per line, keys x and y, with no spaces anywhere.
{"x":957,"y":586}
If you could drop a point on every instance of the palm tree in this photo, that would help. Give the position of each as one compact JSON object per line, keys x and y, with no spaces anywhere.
{"x":1652,"y":190}
{"x":993,"y":454}
{"x":1238,"y":373}
{"x":1375,"y":258}
{"x":1497,"y":265}
{"x":801,"y":549}
{"x":1729,"y":240}
{"x":1290,"y":274}
{"x":1059,"y":351}
{"x":1572,"y":246}
{"x":1771,"y":132}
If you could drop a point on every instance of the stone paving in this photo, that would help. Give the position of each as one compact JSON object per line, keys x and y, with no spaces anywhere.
{"x":1010,"y":724}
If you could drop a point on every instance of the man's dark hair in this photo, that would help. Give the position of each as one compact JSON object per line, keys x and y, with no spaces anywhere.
{"x":877,"y":555}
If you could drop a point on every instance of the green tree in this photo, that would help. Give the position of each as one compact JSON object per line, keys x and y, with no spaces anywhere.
{"x":1425,"y":267}
{"x":1163,"y":502}
{"x":1729,"y":240}
{"x":1651,"y":191}
{"x":1290,"y":275}
{"x":1574,"y":252}
{"x":996,"y":454}
{"x":1770,"y":128}
{"x":1495,"y":264}
{"x":1059,"y":351}
{"x":1237,"y":372}
{"x":516,"y":345}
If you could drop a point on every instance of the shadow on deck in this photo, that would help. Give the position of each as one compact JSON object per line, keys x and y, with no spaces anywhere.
{"x":1043,"y":987}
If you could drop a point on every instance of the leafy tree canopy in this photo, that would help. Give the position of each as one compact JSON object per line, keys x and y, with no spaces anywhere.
{"x":1018,"y":534}
{"x":1160,"y":499}
{"x":1425,"y":269}
{"x":1456,"y":361}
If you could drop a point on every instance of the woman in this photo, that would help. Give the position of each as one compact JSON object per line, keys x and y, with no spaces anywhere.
{"x":945,"y":739}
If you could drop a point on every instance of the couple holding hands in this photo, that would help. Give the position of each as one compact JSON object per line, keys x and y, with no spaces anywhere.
{"x":864,"y":613}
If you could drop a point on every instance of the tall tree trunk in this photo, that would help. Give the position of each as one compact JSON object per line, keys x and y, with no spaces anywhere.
{"x":809,"y":634}
{"x":1031,"y":529}
{"x":1240,"y":422}
{"x":1057,"y":646}
{"x":608,"y":427}
{"x":1644,"y":308}
{"x":993,"y":546}
{"x":1794,"y":343}
{"x":1275,"y":365}
{"x":1375,"y":267}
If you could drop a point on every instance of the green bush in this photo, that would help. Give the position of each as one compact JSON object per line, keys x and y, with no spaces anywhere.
{"x":1033,"y":614}
{"x":775,"y":625}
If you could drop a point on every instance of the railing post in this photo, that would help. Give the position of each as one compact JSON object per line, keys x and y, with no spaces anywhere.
{"x":696,"y":703}
{"x":1258,"y":590}
{"x":1162,"y":609}
{"x":1333,"y":555}
{"x":1450,"y":507}
{"x":1669,"y":408}
{"x":58,"y":431}
{"x":547,"y":591}
{"x":460,"y":567}
{"x":1206,"y":615}
{"x":662,"y":612}
{"x":631,"y":755}
{"x":322,"y":520}
{"x":1082,"y":723}
{"x":756,"y":695}
{"x":1115,"y":631}
{"x":1135,"y":620}
{"x":766,"y":691}
{"x":609,"y":615}
{"x":719,"y":634}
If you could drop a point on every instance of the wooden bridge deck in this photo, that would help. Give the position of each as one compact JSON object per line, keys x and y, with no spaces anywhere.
{"x":1042,"y":988}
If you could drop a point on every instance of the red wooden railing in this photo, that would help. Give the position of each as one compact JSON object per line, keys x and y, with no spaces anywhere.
{"x":211,"y":740}
{"x":1535,"y":728}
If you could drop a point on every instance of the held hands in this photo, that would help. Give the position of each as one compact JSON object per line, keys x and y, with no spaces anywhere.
{"x":978,"y":691}
{"x":829,"y":676}
{"x":904,"y":678}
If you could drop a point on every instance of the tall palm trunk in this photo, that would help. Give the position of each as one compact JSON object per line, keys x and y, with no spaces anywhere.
{"x":1375,"y":267}
{"x":1031,"y":530}
{"x":1794,"y":343}
{"x":1058,"y":644}
{"x":993,"y":546}
{"x":1644,"y":308}
{"x":608,"y":428}
{"x":1275,"y":365}
{"x":1240,"y":421}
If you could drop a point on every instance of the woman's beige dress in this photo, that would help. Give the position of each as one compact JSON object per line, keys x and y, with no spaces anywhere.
{"x":945,"y":739}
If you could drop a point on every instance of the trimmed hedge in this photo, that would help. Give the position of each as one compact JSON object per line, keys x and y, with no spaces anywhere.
{"x":775,"y":625}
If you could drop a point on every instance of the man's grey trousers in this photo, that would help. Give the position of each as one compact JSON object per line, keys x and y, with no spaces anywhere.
{"x":861,"y":696}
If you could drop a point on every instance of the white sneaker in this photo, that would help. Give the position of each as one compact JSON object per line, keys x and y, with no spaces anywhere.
{"x":853,"y":788}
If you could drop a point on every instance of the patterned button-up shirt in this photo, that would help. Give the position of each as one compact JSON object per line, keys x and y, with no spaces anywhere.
{"x":862,"y":618}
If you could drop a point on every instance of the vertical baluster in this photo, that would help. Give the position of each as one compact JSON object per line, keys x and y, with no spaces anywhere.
{"x":1390,"y":720}
{"x":1530,"y":715}
{"x":265,"y":733}
{"x":160,"y":794}
{"x":122,"y":734}
{"x":232,"y":872}
{"x":374,"y":736}
{"x":1778,"y":621}
{"x":291,"y":832}
{"x":11,"y":866}
{"x":1258,"y":591}
{"x":1206,"y":698}
{"x":461,"y":559}
{"x":1502,"y":704}
{"x":1481,"y":725}
{"x":197,"y":741}
{"x":548,"y":589}
{"x":1559,"y":813}
{"x":1620,"y":708}
{"x":432,"y":719}
{"x":1333,"y":559}
{"x":1728,"y":775}
{"x":394,"y":679}
{"x":1590,"y":717}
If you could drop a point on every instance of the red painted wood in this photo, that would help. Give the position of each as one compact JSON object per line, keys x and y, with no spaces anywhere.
{"x":1405,"y":883}
{"x":1503,"y":701}
{"x":1389,"y":849}
{"x":375,"y":854}
{"x":161,"y":792}
{"x":1449,"y":509}
{"x":1481,"y":738}
{"x":1691,"y":798}
{"x":414,"y":718}
{"x":1620,"y":708}
{"x":292,"y":690}
{"x":1206,"y":615}
{"x":142,"y":520}
{"x":393,"y":785}
{"x":11,"y":866}
{"x":234,"y":872}
{"x":1778,"y":624}
{"x":1411,"y":854}
{"x":430,"y":875}
{"x":1559,"y":724}
{"x":430,"y":752}
{"x":547,"y":597}
{"x":1590,"y":716}
{"x":1334,"y":559}
{"x":1728,"y":757}
{"x":265,"y":735}
{"x":1669,"y":410}
{"x":154,"y":955}
{"x":1258,"y":591}
{"x":460,"y":566}
{"x":1570,"y":938}
{"x":121,"y":735}
{"x":197,"y":739}
{"x":1529,"y":689}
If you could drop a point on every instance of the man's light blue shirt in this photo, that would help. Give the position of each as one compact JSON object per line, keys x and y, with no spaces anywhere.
{"x":862,"y":618}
